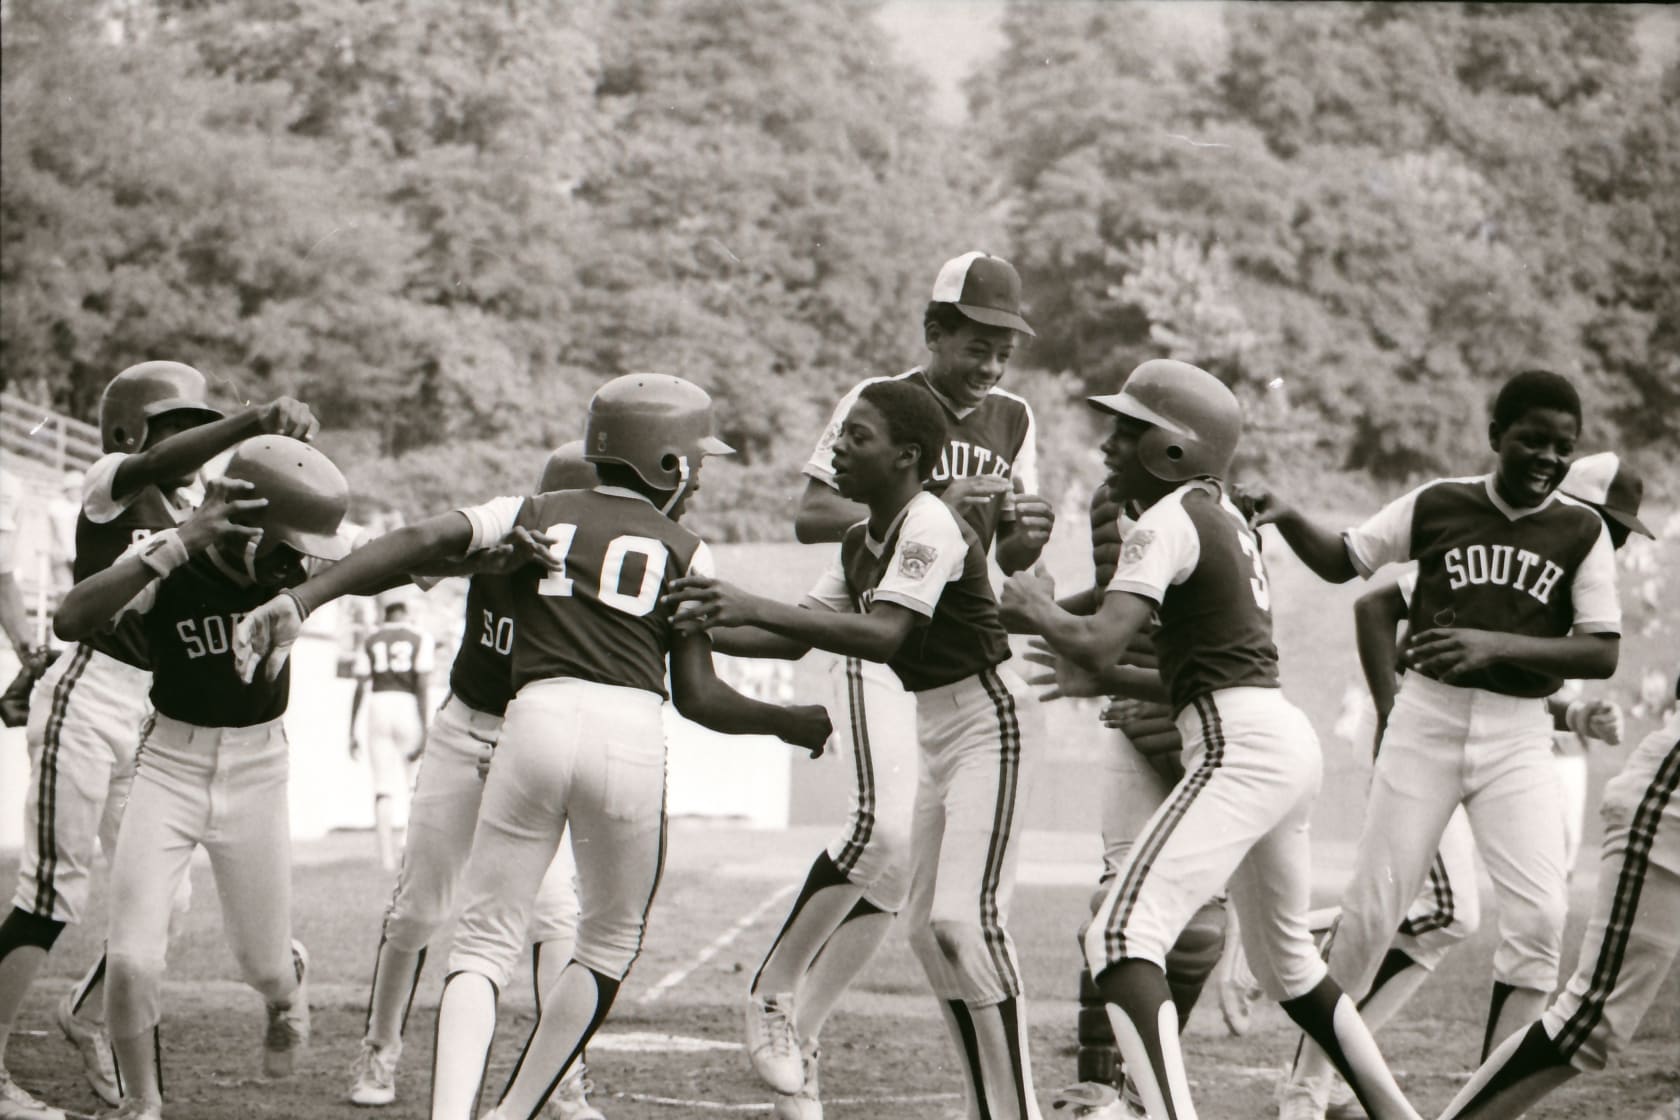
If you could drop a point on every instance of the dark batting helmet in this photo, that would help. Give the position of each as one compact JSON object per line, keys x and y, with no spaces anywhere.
{"x":567,"y":469}
{"x":1194,"y":419}
{"x":655,"y":424}
{"x":141,"y":393}
{"x":307,"y":495}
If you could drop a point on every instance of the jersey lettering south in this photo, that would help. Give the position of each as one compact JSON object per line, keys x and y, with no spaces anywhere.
{"x":188,"y":623}
{"x":931,"y":562}
{"x":482,"y":675}
{"x":996,"y":437}
{"x":599,"y":618}
{"x":100,"y":543}
{"x":394,"y":658}
{"x":1544,"y":572}
{"x":1193,"y":555}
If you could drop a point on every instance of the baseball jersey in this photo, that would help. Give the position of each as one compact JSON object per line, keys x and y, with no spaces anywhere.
{"x":1194,"y":556}
{"x":1545,"y":572}
{"x":106,"y":527}
{"x":996,"y":437}
{"x":482,"y":675}
{"x":930,"y":562}
{"x":600,"y":618}
{"x":394,"y":658}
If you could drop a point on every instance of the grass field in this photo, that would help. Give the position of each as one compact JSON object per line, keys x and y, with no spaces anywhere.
{"x":671,"y":1049}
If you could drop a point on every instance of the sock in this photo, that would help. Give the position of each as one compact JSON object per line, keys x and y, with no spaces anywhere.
{"x":961,"y":1027}
{"x":1140,"y":1008}
{"x":385,"y":832}
{"x":1005,"y":1067}
{"x":1509,"y":1011}
{"x":396,"y":977}
{"x":139,"y":1061}
{"x":1329,"y":1016}
{"x":466,"y":1025}
{"x":840,"y":960}
{"x":1397,"y":981}
{"x":1524,"y":1068}
{"x":824,"y":901}
{"x":570,"y":1016}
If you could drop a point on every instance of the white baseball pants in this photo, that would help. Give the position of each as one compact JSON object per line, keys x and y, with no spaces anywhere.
{"x":875,"y":730}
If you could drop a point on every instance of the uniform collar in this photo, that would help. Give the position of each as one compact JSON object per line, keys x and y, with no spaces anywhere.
{"x":876,"y":547}
{"x":1512,"y":513}
{"x":624,"y":492}
{"x":946,"y":402}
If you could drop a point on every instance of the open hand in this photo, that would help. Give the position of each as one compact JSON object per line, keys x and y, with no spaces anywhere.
{"x":1450,"y":654}
{"x":265,"y":636}
{"x":220,"y":520}
{"x":284,"y":416}
{"x":1024,"y":595}
{"x":1034,"y":519}
{"x":703,"y":603}
{"x":964,"y":493}
{"x":1065,"y":678}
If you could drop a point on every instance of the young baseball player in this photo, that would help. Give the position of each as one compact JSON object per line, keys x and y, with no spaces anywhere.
{"x":1516,"y":591}
{"x":986,"y":471}
{"x":582,"y":743}
{"x":214,"y":753}
{"x":157,"y":429}
{"x":447,"y":792}
{"x":909,"y":587}
{"x":1252,"y":762}
{"x":393,"y":665}
{"x":1631,"y":941}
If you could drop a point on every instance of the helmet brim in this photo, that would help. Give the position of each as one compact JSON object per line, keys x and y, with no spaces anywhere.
{"x":321,"y":546}
{"x":1124,"y":404}
{"x":158,"y":408}
{"x":994,"y":317}
{"x":711,"y":445}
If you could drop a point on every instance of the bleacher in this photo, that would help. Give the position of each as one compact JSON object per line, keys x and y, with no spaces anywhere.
{"x":42,"y":455}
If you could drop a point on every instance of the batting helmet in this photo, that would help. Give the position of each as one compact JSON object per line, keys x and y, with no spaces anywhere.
{"x":567,"y":469}
{"x":141,"y":393}
{"x":307,"y":495}
{"x":653,"y":423}
{"x":1193,"y":418}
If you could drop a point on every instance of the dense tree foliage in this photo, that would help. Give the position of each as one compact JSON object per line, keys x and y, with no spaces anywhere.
{"x":445,"y":225}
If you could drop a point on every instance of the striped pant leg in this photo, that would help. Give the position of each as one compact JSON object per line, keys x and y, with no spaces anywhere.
{"x":876,"y":731}
{"x":1448,"y":909}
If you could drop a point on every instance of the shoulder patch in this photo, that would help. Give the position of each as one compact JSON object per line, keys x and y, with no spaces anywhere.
{"x":914,"y":559}
{"x":1137,"y":543}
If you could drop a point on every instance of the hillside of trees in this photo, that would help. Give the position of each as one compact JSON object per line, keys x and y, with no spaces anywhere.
{"x":444,"y":225}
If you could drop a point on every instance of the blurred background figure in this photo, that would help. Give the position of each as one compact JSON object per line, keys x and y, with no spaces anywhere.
{"x":391,"y":670}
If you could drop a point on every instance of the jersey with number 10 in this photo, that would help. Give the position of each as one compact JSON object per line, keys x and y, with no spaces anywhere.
{"x":600,"y":616}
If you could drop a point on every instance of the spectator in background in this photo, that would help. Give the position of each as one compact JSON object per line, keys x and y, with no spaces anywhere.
{"x":61,"y":517}
{"x":394,"y":663}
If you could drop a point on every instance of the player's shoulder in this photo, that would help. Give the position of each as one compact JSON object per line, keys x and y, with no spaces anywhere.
{"x":1580,"y":518}
{"x":1003,"y":400}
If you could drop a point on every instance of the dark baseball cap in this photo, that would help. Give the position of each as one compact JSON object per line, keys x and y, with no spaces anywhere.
{"x":985,"y":288}
{"x":1603,"y":480}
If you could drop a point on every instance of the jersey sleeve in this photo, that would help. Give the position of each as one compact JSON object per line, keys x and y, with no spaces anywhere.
{"x":1385,"y":537}
{"x":97,"y":501}
{"x":702,"y":563}
{"x":820,"y":465}
{"x":830,"y":591}
{"x":1026,"y":459}
{"x":1160,"y":551}
{"x":492,"y":521}
{"x":1598,"y":610}
{"x":929,"y":554}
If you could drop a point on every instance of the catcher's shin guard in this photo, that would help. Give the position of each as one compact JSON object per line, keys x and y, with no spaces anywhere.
{"x":1099,"y":1054}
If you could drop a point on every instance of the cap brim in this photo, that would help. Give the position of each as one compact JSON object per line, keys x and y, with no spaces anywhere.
{"x":1626,"y":521}
{"x":1123,"y":404}
{"x":321,"y":546}
{"x":711,"y":445}
{"x":992,"y":317}
{"x":158,"y":408}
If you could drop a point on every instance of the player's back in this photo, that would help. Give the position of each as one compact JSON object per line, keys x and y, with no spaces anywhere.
{"x":394,"y":657}
{"x":600,"y":617}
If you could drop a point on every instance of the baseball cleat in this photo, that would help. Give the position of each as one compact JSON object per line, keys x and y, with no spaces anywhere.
{"x":15,"y":1104}
{"x":1342,"y":1104}
{"x":1089,"y":1100}
{"x":771,"y":1045}
{"x":1237,"y":989}
{"x":91,"y":1041}
{"x":571,"y":1098}
{"x":1303,"y":1100}
{"x":136,"y":1110}
{"x":373,"y":1075}
{"x":288,"y":1023}
{"x":805,"y":1104}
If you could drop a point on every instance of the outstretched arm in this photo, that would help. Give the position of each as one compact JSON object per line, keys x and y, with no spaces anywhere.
{"x":700,"y":696}
{"x":872,"y":636}
{"x":1096,"y":642}
{"x":185,"y":452}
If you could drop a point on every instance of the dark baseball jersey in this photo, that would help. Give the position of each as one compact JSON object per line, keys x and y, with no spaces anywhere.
{"x":394,"y":658}
{"x":931,"y":562}
{"x":600,"y":618}
{"x":186,"y":621}
{"x":107,"y":527}
{"x":1194,"y":556}
{"x":1544,"y":572}
{"x":482,"y":675}
{"x":995,"y":437}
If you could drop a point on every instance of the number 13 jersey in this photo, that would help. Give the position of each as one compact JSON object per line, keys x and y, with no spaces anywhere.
{"x":600,"y":617}
{"x":1193,"y":555}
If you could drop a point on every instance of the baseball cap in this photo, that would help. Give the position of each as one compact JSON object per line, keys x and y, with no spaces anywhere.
{"x":1603,"y":480}
{"x":985,"y":288}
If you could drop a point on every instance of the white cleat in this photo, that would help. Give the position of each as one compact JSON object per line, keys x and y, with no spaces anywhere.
{"x":15,"y":1104}
{"x":373,"y":1075}
{"x":1303,"y":1100}
{"x":1090,"y":1100}
{"x":136,"y":1110}
{"x":771,"y":1045}
{"x":571,"y":1098}
{"x":1342,"y":1104}
{"x":807,"y":1103}
{"x":288,"y":1024}
{"x":1237,"y":989}
{"x":94,"y":1044}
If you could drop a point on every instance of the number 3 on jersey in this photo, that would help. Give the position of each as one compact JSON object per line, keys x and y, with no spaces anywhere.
{"x":609,"y":594}
{"x":1262,"y":592}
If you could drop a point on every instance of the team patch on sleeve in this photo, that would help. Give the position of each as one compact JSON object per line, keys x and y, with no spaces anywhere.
{"x":915,"y":559}
{"x":1136,"y":544}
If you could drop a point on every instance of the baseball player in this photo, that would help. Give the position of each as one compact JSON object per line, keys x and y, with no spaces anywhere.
{"x":1631,"y":941}
{"x":1516,"y":591}
{"x":987,"y":471}
{"x":393,"y":664}
{"x":910,"y":587}
{"x":215,"y":756}
{"x":447,"y":791}
{"x":582,"y":742}
{"x":1253,"y":766}
{"x":157,"y":429}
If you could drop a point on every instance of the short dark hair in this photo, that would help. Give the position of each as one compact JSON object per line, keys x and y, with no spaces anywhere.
{"x":913,"y":417}
{"x":392,"y":610}
{"x":1532,"y":389}
{"x":945,"y":316}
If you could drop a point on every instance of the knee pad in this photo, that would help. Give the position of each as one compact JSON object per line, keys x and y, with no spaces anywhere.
{"x":1199,"y":946}
{"x":22,"y":929}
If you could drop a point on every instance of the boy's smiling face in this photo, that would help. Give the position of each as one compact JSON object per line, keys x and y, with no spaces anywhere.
{"x":1534,"y":452}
